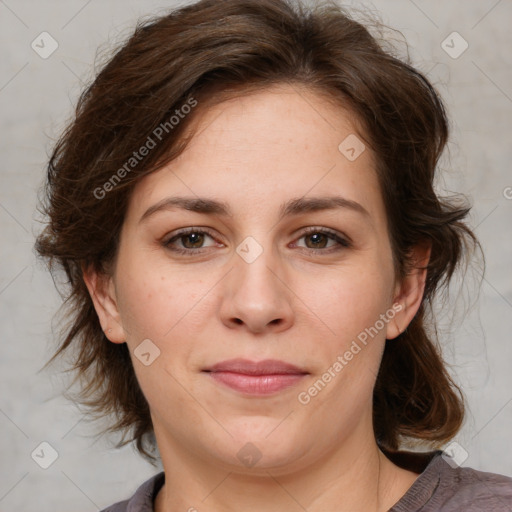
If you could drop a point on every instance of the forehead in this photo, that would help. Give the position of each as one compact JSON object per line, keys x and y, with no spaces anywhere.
{"x":264,"y":148}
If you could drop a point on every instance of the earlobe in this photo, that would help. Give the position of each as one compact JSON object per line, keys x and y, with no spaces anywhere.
{"x":393,"y":328}
{"x":409,"y":292}
{"x":102,"y":291}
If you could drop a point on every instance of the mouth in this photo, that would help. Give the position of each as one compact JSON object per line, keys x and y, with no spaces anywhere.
{"x":256,"y":378}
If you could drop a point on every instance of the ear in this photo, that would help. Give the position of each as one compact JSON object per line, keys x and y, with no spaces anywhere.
{"x":409,"y":291}
{"x":102,"y":291}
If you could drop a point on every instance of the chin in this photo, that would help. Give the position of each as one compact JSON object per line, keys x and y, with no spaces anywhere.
{"x":262,"y":447}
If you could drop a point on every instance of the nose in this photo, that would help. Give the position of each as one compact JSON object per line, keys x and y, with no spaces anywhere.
{"x":257,"y":297}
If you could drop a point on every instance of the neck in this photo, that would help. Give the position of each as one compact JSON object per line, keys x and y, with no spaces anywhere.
{"x":345,"y":480}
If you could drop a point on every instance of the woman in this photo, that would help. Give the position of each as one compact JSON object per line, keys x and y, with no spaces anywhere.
{"x":244,"y":209}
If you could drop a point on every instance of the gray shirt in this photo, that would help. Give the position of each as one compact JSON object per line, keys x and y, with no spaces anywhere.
{"x":439,"y":487}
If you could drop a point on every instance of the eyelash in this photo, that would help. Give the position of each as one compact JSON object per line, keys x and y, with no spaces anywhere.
{"x":344,"y":243}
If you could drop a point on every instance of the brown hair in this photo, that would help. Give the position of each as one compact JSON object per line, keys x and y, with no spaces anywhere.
{"x":204,"y":53}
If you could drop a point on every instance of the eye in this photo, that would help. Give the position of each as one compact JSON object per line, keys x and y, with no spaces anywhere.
{"x":316,"y":239}
{"x":191,"y":240}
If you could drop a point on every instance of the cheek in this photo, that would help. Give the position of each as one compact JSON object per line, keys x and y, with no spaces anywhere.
{"x":164,"y":306}
{"x":153,"y":300}
{"x":347,"y":301}
{"x":350,"y":352}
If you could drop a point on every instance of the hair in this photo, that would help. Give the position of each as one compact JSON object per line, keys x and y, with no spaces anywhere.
{"x":210,"y":51}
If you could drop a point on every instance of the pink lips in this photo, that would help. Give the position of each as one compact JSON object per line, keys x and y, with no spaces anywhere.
{"x":256,"y":378}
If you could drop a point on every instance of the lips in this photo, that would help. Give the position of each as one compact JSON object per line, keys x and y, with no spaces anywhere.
{"x":256,"y":378}
{"x":265,"y":367}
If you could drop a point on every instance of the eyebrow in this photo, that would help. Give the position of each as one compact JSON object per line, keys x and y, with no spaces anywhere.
{"x":290,"y":208}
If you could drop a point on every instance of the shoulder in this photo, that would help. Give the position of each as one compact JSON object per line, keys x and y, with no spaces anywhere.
{"x":142,"y":500}
{"x":444,"y":486}
{"x":464,"y":488}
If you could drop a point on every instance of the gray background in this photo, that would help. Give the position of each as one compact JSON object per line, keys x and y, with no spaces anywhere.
{"x":36,"y":99}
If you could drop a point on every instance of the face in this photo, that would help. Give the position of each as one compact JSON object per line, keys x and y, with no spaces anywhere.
{"x":293,"y":264}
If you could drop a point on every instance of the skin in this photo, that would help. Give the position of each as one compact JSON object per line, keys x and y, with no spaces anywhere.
{"x":291,"y":303}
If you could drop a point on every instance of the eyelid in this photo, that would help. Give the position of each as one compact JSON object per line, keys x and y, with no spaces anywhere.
{"x":342,"y":242}
{"x":185,"y":231}
{"x":339,"y":236}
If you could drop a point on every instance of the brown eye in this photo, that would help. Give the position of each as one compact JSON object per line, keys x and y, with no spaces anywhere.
{"x":195,"y":239}
{"x":189,"y":241}
{"x":318,"y":239}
